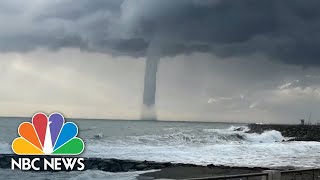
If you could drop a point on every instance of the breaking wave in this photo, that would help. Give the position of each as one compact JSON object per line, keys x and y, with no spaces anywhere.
{"x":232,"y":135}
{"x":231,"y":147}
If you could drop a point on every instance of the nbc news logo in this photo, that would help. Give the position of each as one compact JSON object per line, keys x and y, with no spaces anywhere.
{"x":47,"y":136}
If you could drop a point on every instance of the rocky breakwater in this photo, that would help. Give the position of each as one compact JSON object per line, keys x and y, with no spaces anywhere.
{"x":110,"y":165}
{"x":117,"y":165}
{"x":297,"y":132}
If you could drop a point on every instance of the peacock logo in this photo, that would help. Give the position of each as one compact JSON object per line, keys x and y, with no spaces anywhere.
{"x":48,"y":136}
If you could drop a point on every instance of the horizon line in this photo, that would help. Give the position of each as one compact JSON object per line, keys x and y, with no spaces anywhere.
{"x":159,"y":120}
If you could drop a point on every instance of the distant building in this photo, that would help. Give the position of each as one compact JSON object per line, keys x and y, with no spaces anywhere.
{"x":302,"y":121}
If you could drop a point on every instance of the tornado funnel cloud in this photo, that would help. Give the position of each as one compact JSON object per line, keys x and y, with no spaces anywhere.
{"x":150,"y":88}
{"x":150,"y":82}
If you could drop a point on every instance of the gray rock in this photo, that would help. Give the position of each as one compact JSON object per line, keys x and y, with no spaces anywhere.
{"x":114,"y":168}
{"x":141,"y":167}
{"x":127,"y":166}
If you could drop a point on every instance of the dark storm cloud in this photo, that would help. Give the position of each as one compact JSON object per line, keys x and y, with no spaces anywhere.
{"x":287,"y":30}
{"x":73,"y":10}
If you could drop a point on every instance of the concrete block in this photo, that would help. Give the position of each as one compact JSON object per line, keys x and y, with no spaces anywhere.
{"x":273,"y":174}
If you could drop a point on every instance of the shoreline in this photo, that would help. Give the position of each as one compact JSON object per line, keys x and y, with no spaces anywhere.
{"x":165,"y":170}
{"x":121,"y":165}
{"x":169,"y":170}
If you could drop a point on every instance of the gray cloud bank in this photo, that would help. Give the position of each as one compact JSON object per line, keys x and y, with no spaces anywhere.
{"x":287,"y":30}
{"x":221,"y":60}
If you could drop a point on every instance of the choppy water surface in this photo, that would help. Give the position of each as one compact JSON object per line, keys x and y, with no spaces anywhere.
{"x":198,"y":143}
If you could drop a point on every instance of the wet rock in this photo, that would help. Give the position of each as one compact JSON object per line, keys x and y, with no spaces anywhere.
{"x":299,"y":132}
{"x":239,"y":129}
{"x":109,"y":165}
{"x":127,"y":166}
{"x":141,"y":167}
{"x":4,"y":164}
{"x":114,"y":168}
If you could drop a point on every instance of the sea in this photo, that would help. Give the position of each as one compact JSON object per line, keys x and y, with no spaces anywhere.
{"x":179,"y":142}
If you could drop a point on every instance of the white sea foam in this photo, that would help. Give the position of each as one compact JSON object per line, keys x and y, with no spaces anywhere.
{"x":97,"y":175}
{"x":232,"y":146}
{"x":195,"y":143}
{"x":233,"y":135}
{"x":8,"y":174}
{"x":299,"y":154}
{"x":266,"y":137}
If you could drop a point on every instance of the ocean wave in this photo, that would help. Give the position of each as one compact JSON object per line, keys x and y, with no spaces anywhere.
{"x":266,"y":137}
{"x":181,"y":138}
{"x":231,"y":129}
{"x":297,"y":154}
{"x":231,"y":146}
{"x":232,"y":135}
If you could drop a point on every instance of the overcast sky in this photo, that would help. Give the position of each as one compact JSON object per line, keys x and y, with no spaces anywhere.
{"x":221,"y":60}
